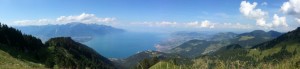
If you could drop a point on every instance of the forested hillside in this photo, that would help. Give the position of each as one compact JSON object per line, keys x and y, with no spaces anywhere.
{"x":23,"y":50}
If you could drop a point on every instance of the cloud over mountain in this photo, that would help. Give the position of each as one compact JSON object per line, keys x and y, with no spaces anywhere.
{"x":82,"y":18}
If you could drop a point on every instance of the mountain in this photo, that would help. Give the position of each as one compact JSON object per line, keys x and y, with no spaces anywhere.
{"x":194,"y":48}
{"x":289,"y":36}
{"x":284,"y":47}
{"x":79,"y":31}
{"x":211,"y":43}
{"x":191,"y":48}
{"x":274,"y":33}
{"x":281,"y":52}
{"x":143,"y":57}
{"x":26,"y":51}
{"x":255,"y":37}
{"x":223,"y":36}
{"x":177,"y":38}
{"x":220,"y":40}
{"x":64,"y":52}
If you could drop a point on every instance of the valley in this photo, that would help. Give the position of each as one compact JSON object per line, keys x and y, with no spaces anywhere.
{"x":150,"y":34}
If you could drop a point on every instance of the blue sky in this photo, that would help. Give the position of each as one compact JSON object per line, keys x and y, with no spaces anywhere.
{"x":155,"y":15}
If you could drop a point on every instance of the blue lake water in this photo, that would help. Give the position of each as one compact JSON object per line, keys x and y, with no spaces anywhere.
{"x":122,"y":45}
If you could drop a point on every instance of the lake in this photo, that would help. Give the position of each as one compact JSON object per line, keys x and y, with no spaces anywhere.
{"x":122,"y":45}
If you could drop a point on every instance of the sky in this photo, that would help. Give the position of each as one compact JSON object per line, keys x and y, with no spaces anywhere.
{"x":157,"y":15}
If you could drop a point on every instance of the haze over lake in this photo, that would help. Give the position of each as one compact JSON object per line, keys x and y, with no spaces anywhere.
{"x":123,"y":45}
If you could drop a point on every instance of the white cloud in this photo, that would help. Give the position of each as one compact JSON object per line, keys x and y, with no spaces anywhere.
{"x":207,"y":23}
{"x":292,"y":7}
{"x":83,"y":18}
{"x":278,"y":21}
{"x":286,"y":7}
{"x":261,"y":22}
{"x":157,"y":24}
{"x":297,"y":20}
{"x":194,"y":24}
{"x":34,"y":22}
{"x":249,"y":10}
{"x":165,"y":23}
{"x":203,"y":24}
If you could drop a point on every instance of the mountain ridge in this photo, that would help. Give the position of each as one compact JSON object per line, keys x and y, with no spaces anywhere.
{"x":79,"y":31}
{"x":202,"y":47}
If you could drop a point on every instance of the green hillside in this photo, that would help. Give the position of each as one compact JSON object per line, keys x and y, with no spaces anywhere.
{"x":165,"y":65}
{"x":9,"y":62}
{"x":19,"y":51}
{"x":144,"y":59}
{"x":278,"y":53}
{"x":66,"y":53}
{"x":255,"y":37}
{"x":194,"y":48}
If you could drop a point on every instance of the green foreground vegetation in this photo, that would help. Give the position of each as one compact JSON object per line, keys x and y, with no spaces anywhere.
{"x":9,"y":62}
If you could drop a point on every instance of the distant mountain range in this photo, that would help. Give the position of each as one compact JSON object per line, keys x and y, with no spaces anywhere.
{"x":197,"y":47}
{"x":79,"y":31}
{"x":277,"y":51}
{"x":177,"y":38}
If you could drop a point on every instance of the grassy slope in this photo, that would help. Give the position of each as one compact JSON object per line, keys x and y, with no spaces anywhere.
{"x":285,"y":54}
{"x":165,"y":65}
{"x":246,"y":38}
{"x":280,"y":53}
{"x":9,"y":62}
{"x":291,"y":46}
{"x":292,"y":62}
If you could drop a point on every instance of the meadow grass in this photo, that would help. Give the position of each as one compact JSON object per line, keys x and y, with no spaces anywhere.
{"x":9,"y":62}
